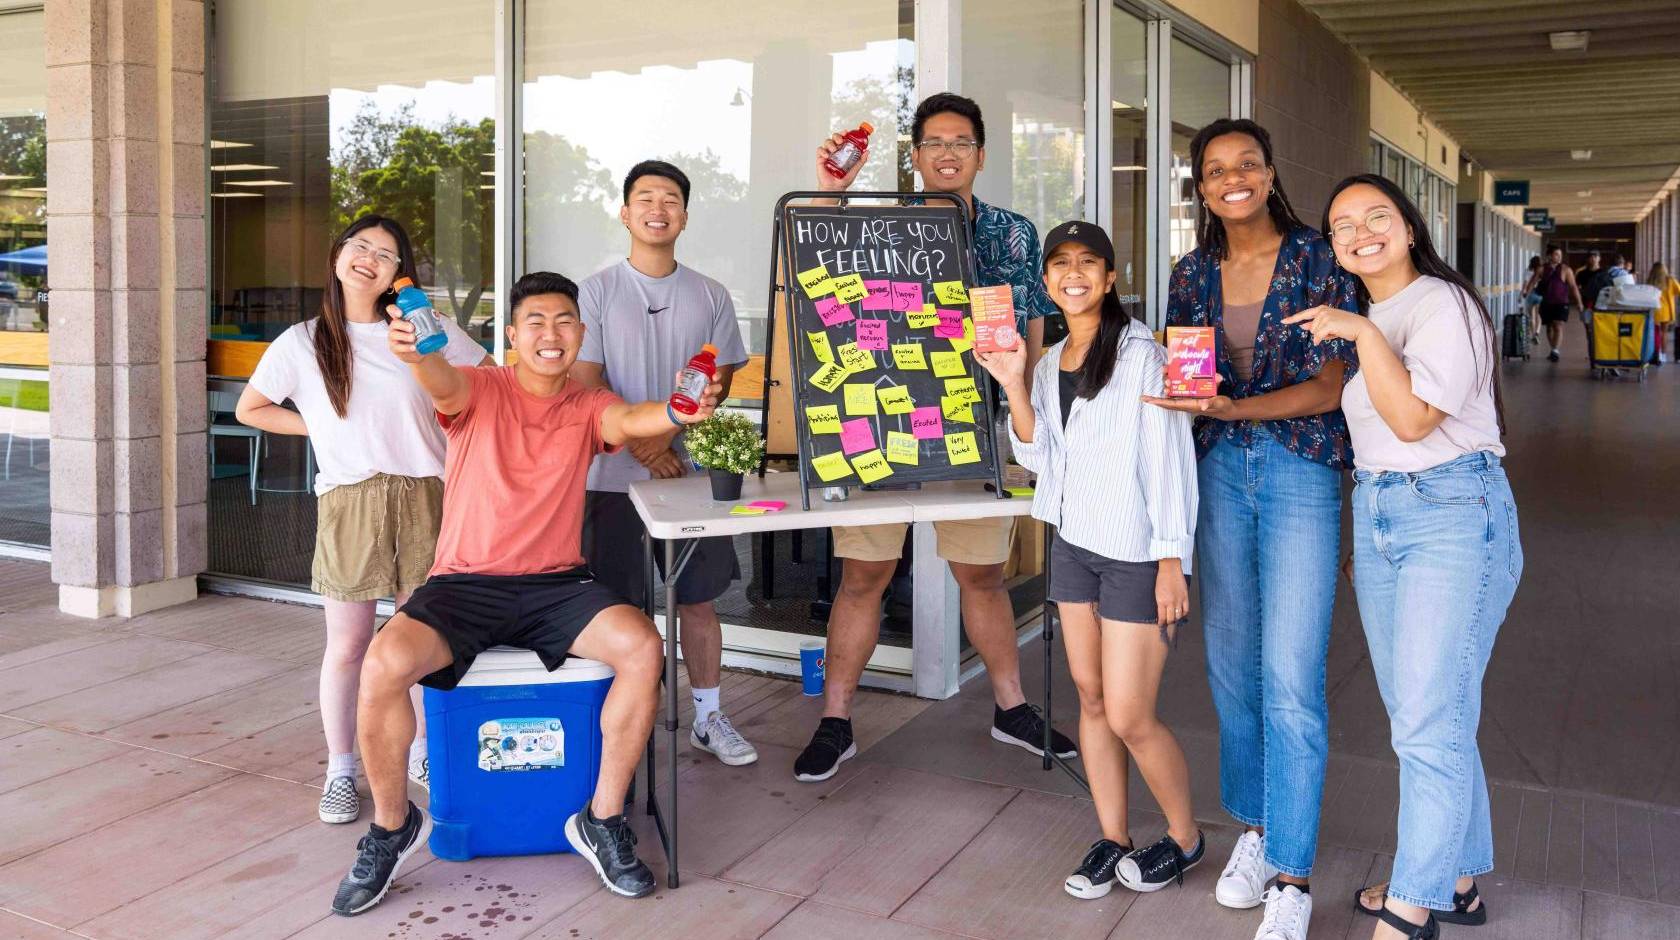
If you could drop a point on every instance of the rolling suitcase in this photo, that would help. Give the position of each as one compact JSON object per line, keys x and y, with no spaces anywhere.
{"x":1514,"y":339}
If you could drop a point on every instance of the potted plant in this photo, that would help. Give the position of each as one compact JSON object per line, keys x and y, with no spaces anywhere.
{"x":727,"y":445}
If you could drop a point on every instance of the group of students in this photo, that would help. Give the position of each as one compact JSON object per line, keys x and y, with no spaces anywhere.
{"x":1364,"y":352}
{"x":1552,"y":289}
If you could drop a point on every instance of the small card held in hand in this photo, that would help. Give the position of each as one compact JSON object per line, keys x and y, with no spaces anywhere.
{"x":1190,"y":366}
{"x":993,"y":309}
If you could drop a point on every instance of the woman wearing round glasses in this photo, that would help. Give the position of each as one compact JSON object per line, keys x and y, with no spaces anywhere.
{"x":1435,"y":543}
{"x":379,"y":488}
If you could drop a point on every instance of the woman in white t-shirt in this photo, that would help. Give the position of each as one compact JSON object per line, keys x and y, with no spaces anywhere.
{"x":379,"y":489}
{"x":1437,"y":556}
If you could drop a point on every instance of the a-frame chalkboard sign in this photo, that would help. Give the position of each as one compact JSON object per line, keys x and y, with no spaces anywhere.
{"x":885,"y":391}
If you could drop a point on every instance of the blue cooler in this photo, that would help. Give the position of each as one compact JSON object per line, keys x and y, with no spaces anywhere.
{"x":514,"y":750}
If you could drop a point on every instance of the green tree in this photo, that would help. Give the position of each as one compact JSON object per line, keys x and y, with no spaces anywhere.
{"x":23,"y":154}
{"x":889,"y":105}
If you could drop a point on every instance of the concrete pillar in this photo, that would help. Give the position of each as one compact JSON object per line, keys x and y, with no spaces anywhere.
{"x":125,"y":219}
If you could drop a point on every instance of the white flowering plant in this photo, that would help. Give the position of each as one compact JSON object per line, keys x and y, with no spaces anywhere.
{"x":725,"y":441}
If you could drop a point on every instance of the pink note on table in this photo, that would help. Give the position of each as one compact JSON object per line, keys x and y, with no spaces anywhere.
{"x":856,"y":436}
{"x":907,"y":295}
{"x":950,"y":324}
{"x":872,"y":334}
{"x":832,"y":311}
{"x":768,"y":505}
{"x":880,"y":295}
{"x":927,"y":423}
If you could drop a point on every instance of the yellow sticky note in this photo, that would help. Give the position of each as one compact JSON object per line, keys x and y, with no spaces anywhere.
{"x":909,"y":356}
{"x":963,"y":389}
{"x":831,"y":467}
{"x":968,"y":329}
{"x":873,"y":466}
{"x":960,"y":346}
{"x":815,"y":281}
{"x":825,"y":419}
{"x":860,"y":399}
{"x":903,"y":448}
{"x":850,"y":289}
{"x":950,"y":292}
{"x":820,"y":346}
{"x":895,"y":399}
{"x":746,"y":511}
{"x":956,"y":409}
{"x":829,"y":377}
{"x":948,"y":364}
{"x":921,"y":321}
{"x":962,"y":448}
{"x":855,"y":360}
{"x":1026,"y":491}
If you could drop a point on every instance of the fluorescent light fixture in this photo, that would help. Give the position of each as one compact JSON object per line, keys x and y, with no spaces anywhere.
{"x":231,"y":167}
{"x":1584,"y":193}
{"x":226,"y":144}
{"x":256,"y":183}
{"x":236,"y":195}
{"x":1133,"y":168}
{"x":1570,"y":40}
{"x":1580,"y":154}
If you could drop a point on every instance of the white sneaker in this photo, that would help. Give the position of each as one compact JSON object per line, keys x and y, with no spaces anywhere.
{"x":1287,"y":912}
{"x":420,"y":771}
{"x":340,"y":803}
{"x":1243,"y":883}
{"x":718,"y":737}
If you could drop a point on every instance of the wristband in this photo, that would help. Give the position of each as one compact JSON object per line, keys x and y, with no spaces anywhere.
{"x":671,"y":413}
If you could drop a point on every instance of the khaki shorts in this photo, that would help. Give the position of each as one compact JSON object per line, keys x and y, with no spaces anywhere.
{"x":964,"y":541}
{"x":376,"y":538}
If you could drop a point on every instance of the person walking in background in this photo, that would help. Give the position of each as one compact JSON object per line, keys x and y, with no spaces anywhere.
{"x":1531,"y":301}
{"x":1668,"y":308}
{"x":1268,"y":532}
{"x":379,"y":492}
{"x":1437,"y":556}
{"x":1118,"y":480}
{"x":1558,"y":292}
{"x":1592,"y":279}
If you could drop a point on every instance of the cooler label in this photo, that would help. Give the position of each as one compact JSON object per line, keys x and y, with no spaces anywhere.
{"x":521,"y":744}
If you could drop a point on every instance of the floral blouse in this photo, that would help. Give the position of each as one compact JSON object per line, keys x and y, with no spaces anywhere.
{"x":1306,"y":276}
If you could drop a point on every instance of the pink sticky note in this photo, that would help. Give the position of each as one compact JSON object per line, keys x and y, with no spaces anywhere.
{"x":950,"y":324}
{"x":832,"y":311}
{"x":768,"y":505}
{"x":872,"y":334}
{"x":906,"y":295}
{"x":927,"y":423}
{"x":880,"y":295}
{"x":856,"y":436}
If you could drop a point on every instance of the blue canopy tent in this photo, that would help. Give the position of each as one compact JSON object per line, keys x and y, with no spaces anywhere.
{"x":31,"y":260}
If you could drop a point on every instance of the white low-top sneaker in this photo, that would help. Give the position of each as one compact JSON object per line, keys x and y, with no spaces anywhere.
{"x":1288,"y":910}
{"x":1243,"y":883}
{"x":718,"y":737}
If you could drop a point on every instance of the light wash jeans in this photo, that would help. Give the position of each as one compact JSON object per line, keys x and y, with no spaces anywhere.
{"x":1436,"y":562}
{"x":1268,"y":537}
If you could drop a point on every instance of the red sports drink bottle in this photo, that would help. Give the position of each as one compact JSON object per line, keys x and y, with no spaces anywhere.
{"x":691,"y":384}
{"x":850,"y":152}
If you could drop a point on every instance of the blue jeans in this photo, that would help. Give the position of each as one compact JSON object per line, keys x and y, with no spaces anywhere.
{"x":1267,"y":540}
{"x":1436,"y":562}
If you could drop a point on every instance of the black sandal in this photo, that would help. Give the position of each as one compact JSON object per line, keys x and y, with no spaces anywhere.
{"x":1461,"y":913}
{"x":1428,"y":930}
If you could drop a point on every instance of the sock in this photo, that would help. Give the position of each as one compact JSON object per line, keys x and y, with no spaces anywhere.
{"x":705,"y":703}
{"x":1304,"y":889}
{"x":341,"y":765}
{"x":417,"y":750}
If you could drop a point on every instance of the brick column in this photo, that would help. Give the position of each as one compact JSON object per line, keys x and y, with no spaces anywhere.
{"x":125,"y":219}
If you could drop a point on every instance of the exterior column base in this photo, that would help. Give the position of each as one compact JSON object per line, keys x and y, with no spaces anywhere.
{"x":123,"y":601}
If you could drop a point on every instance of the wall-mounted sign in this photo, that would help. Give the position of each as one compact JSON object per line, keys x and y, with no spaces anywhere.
{"x":1535,"y":216}
{"x":1510,"y":192}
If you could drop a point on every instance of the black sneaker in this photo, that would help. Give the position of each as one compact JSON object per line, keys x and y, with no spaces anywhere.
{"x":1152,"y":867}
{"x":379,"y":856}
{"x":1095,"y":875}
{"x":610,"y":846}
{"x":1023,"y":726}
{"x":1552,"y":356}
{"x":831,"y":745}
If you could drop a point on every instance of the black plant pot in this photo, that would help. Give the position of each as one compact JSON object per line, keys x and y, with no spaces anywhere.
{"x":725,"y":485}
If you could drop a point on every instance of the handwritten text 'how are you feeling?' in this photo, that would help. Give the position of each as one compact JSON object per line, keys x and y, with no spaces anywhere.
{"x":872,"y":245}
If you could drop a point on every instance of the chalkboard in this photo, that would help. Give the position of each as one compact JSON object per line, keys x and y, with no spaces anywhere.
{"x":885,"y":389}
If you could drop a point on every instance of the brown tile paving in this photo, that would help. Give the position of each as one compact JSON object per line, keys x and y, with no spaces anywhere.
{"x":292,"y":750}
{"x":814,"y":920}
{"x":11,"y":726}
{"x":1608,"y":918}
{"x":16,"y":927}
{"x":142,"y":694}
{"x":702,"y":909}
{"x":43,"y":753}
{"x":221,"y":719}
{"x":1520,"y":910}
{"x":25,"y":685}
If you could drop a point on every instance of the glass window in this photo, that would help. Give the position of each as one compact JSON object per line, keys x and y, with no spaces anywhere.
{"x":1200,"y":94}
{"x":25,"y":515}
{"x":1128,"y":87}
{"x":737,"y":95}
{"x":320,"y":113}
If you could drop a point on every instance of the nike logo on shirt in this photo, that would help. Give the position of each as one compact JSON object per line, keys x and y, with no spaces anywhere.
{"x":654,"y":310}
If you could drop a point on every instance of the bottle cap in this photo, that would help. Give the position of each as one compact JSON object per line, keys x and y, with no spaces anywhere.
{"x":401,"y":283}
{"x":709,"y":348}
{"x":867,"y":127}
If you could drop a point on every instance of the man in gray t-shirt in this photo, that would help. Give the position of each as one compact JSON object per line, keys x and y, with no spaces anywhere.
{"x":644,"y":318}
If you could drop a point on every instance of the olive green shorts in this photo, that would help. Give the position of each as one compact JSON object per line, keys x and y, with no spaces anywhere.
{"x":376,"y":538}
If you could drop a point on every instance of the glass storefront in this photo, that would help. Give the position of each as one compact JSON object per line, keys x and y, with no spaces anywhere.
{"x":1128,"y":97}
{"x":25,"y":440}
{"x":1199,"y":95}
{"x":1433,"y":194}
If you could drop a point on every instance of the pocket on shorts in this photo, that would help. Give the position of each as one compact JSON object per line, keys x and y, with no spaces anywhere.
{"x":421,"y":506}
{"x":353,"y":558}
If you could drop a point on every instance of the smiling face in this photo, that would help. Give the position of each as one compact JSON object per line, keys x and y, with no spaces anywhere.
{"x":654,"y":214}
{"x":1368,"y":231}
{"x":1077,"y":278}
{"x":547,"y":332}
{"x":367,"y":262}
{"x":1235,"y":178}
{"x":942,"y":170}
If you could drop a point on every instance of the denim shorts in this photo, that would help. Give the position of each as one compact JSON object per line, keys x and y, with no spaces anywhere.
{"x":1122,"y":590}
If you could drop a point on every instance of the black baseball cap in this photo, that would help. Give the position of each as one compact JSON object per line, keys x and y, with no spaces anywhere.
{"x":1088,"y":234}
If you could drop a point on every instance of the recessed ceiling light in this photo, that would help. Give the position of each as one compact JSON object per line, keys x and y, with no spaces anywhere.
{"x":1584,"y":193}
{"x":226,"y":144}
{"x":256,"y":183}
{"x":1580,"y":154}
{"x":230,"y":167}
{"x":1570,"y":40}
{"x":236,"y":195}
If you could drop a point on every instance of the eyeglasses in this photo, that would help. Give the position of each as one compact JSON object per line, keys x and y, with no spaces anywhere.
{"x":961,"y":149}
{"x":1377,"y":223}
{"x":357,"y":246}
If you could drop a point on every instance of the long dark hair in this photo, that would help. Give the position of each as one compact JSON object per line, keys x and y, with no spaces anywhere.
{"x":1210,"y":229}
{"x":332,"y":336}
{"x":1429,"y":263}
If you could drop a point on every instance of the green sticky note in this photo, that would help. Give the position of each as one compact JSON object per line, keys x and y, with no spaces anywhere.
{"x":850,"y":289}
{"x":873,"y":466}
{"x":746,"y":511}
{"x":855,"y":360}
{"x":909,"y":356}
{"x":962,"y":388}
{"x":829,"y":377}
{"x":860,"y":399}
{"x":903,"y":448}
{"x":815,"y":282}
{"x":962,"y":448}
{"x":956,"y":409}
{"x":820,"y":346}
{"x":1026,"y":491}
{"x":831,"y":467}
{"x":948,"y":365}
{"x":895,"y":399}
{"x":824,"y":419}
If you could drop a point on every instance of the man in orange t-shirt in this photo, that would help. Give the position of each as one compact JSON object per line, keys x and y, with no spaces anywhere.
{"x":510,"y":570}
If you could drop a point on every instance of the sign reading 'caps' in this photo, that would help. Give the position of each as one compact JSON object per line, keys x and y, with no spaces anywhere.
{"x":1510,"y":192}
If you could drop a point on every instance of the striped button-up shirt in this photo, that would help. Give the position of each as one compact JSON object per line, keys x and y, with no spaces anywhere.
{"x":1120,"y":479}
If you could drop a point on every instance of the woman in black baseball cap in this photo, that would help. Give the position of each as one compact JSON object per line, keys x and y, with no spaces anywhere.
{"x":1118,"y":480}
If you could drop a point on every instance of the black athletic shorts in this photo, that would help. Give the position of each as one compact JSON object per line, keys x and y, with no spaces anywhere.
{"x":543,"y":613}
{"x":1554,"y":313}
{"x":612,"y":541}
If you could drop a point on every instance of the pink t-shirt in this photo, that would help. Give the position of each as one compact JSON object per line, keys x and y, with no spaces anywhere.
{"x":514,"y":476}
